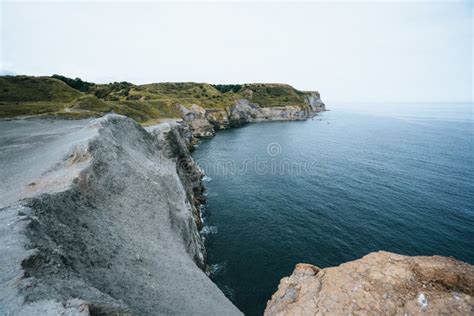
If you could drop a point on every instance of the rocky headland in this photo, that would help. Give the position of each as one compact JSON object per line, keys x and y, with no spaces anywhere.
{"x":205,"y":107}
{"x":205,"y":122}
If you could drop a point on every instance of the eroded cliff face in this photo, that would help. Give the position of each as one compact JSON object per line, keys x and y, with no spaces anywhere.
{"x":110,"y":229}
{"x":197,"y":120}
{"x":380,"y":283}
{"x":204,"y":122}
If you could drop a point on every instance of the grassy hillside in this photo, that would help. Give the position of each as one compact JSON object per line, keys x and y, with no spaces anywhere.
{"x":60,"y":96}
{"x":272,"y":94}
{"x":186,"y":93}
{"x":31,"y":89}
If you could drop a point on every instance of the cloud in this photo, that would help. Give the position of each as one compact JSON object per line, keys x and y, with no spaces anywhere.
{"x":348,"y":51}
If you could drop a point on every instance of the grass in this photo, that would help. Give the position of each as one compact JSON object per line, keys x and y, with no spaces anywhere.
{"x":142,"y":111}
{"x":273,"y":95}
{"x":91,"y":103}
{"x":12,"y":109}
{"x":31,"y":89}
{"x":185,"y":93}
{"x":25,"y":95}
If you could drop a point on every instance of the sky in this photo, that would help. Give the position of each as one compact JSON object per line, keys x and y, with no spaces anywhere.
{"x":349,"y":51}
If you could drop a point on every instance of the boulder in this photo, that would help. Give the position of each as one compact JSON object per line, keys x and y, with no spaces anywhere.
{"x":380,"y":283}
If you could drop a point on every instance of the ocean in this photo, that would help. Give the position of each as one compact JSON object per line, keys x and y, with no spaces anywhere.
{"x":356,"y":179}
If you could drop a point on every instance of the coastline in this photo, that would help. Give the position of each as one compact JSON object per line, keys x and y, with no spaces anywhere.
{"x":173,"y":140}
{"x":252,"y":215}
{"x":163,"y":180}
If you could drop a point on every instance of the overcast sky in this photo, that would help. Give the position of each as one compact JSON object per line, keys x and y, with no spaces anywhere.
{"x":357,"y":52}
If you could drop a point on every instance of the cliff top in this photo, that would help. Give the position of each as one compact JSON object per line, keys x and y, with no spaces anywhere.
{"x":75,"y":98}
{"x":98,"y":219}
{"x":380,"y":283}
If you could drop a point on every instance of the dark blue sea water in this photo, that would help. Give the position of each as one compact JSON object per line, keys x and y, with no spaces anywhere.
{"x":357,"y":179}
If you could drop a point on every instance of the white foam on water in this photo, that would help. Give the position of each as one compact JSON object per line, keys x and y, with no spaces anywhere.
{"x":216,"y":268}
{"x":209,"y":230}
{"x":206,"y":178}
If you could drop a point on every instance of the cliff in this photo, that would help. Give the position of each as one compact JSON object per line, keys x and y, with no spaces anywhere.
{"x":204,"y":122}
{"x":214,"y":106}
{"x":380,"y":283}
{"x":107,"y":224}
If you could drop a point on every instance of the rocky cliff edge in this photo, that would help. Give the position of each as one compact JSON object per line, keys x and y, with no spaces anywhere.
{"x":110,"y":229}
{"x":205,"y":121}
{"x":380,"y":283}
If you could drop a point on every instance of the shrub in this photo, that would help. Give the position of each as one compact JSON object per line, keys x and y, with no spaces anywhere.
{"x":77,"y":83}
{"x":227,"y":87}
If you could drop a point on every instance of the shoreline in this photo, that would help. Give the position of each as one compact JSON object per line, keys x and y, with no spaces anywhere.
{"x":88,"y":184}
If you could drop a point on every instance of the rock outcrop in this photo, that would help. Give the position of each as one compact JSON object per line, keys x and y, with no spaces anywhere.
{"x":196,"y":119}
{"x":380,"y":283}
{"x":204,"y":122}
{"x":246,"y":112}
{"x":110,"y":229}
{"x":313,"y":99}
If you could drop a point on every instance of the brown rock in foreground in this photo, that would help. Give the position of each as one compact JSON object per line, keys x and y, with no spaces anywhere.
{"x":380,"y":283}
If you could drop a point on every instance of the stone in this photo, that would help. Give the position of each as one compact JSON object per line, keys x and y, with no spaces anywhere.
{"x":111,"y":227}
{"x":380,"y":283}
{"x":204,"y":122}
{"x":197,"y":121}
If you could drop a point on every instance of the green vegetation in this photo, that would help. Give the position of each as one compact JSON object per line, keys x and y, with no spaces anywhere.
{"x":113,"y":91}
{"x":227,"y":87}
{"x":77,"y":83}
{"x":12,"y":109}
{"x":185,"y":93}
{"x":30,"y":89}
{"x":91,"y":103}
{"x":273,"y":94}
{"x":74,"y":98}
{"x":144,"y":111}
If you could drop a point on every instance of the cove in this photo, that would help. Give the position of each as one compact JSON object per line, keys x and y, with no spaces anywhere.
{"x":332,"y":189}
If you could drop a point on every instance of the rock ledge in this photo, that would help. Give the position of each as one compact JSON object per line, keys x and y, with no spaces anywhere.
{"x":380,"y":283}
